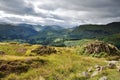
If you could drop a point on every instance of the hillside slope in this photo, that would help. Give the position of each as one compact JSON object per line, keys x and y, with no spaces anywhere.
{"x":95,"y":31}
{"x":108,"y":33}
{"x":66,"y":64}
{"x":11,"y":31}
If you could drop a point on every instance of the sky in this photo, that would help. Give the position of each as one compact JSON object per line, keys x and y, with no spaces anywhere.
{"x":60,"y":12}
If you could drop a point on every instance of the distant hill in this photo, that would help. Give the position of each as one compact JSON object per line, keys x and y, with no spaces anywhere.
{"x":49,"y":34}
{"x":109,"y":33}
{"x":31,"y":33}
{"x":11,"y":31}
{"x":95,"y":31}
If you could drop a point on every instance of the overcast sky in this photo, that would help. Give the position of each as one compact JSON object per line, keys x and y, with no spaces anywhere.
{"x":60,"y":12}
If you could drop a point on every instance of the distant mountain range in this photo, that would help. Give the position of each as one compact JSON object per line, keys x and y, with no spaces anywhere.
{"x":56,"y":35}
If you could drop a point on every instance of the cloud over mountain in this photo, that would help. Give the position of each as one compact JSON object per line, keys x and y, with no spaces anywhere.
{"x":59,"y":12}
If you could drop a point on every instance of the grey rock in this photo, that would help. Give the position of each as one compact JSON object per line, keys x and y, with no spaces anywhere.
{"x":118,"y":70}
{"x":90,"y":69}
{"x":85,"y":74}
{"x":103,"y":68}
{"x":103,"y":78}
{"x":95,"y":73}
{"x":97,"y":66}
{"x":111,"y":65}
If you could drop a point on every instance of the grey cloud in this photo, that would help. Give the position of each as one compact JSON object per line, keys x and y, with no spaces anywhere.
{"x":14,"y":6}
{"x":95,"y":10}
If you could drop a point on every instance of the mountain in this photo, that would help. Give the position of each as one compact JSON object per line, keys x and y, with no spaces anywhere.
{"x":95,"y":31}
{"x":49,"y":34}
{"x":109,"y":32}
{"x":41,"y":27}
{"x":12,"y":31}
{"x":30,"y":33}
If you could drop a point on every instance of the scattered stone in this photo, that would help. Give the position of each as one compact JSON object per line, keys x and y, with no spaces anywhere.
{"x":112,"y":61}
{"x":95,"y":73}
{"x":97,"y":66}
{"x":98,"y":69}
{"x":111,"y":65}
{"x":118,"y":67}
{"x":41,"y":78}
{"x":103,"y":68}
{"x":103,"y":78}
{"x":90,"y":69}
{"x":118,"y":70}
{"x":85,"y":74}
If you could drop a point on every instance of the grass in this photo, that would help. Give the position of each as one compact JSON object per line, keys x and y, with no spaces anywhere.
{"x":13,"y":48}
{"x":77,"y":42}
{"x":64,"y":65}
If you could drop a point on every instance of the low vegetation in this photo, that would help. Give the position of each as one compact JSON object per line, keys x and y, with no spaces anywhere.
{"x":37,"y":62}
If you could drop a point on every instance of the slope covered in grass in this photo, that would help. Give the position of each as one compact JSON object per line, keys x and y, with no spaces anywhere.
{"x":114,"y":39}
{"x":95,"y":31}
{"x":77,"y":42}
{"x":66,"y":64}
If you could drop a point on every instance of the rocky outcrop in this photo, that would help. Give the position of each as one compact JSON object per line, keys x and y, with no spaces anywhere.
{"x":44,"y":50}
{"x":99,"y":46}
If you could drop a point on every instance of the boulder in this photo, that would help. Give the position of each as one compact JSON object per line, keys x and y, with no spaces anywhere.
{"x":111,"y":65}
{"x":103,"y":78}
